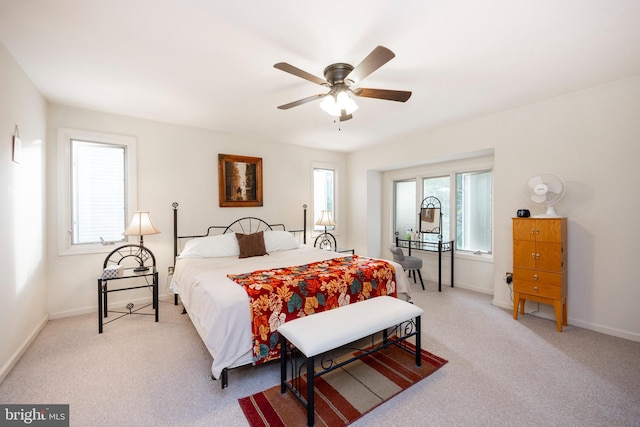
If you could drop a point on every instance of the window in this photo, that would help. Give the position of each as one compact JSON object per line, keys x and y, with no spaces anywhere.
{"x":97,"y":178}
{"x":466,"y":206}
{"x":473,"y":211}
{"x":324,"y":193}
{"x":405,"y":202}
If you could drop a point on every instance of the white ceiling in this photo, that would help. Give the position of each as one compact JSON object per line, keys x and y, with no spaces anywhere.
{"x":209,"y":64}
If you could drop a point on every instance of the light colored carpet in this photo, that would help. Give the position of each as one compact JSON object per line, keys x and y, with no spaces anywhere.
{"x":500,"y":372}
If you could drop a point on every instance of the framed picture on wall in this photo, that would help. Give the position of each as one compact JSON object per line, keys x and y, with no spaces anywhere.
{"x":239,"y":181}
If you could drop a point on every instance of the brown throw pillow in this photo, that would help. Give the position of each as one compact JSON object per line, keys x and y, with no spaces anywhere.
{"x":251,"y":244}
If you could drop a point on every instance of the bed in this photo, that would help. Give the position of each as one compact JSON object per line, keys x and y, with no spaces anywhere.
{"x":214,"y":280}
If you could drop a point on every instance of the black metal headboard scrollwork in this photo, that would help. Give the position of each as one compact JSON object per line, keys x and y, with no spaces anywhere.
{"x":246,"y":225}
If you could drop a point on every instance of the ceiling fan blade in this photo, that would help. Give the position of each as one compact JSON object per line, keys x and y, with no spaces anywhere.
{"x":390,"y":95}
{"x":376,"y":59}
{"x":301,"y":101}
{"x":288,"y":68}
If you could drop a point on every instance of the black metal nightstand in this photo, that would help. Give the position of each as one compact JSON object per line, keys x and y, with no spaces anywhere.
{"x":127,"y":262}
{"x":346,"y":251}
{"x":327,"y":242}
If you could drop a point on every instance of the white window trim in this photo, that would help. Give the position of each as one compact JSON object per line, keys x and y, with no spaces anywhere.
{"x":65,"y":135}
{"x":336,"y":169}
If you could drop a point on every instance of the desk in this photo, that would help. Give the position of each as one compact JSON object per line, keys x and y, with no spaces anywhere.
{"x":430,"y":247}
{"x":128,"y":258}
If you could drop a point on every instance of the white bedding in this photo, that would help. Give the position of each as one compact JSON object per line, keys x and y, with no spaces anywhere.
{"x":219,"y":308}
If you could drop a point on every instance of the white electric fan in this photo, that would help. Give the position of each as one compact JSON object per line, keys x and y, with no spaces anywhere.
{"x":544,"y":189}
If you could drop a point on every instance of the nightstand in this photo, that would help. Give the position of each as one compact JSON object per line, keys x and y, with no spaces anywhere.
{"x":346,"y":251}
{"x":129,"y":263}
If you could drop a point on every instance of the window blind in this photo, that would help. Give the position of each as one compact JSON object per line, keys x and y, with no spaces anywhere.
{"x":98,"y":191}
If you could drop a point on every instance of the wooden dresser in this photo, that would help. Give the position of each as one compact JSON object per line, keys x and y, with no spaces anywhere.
{"x":540,"y":264}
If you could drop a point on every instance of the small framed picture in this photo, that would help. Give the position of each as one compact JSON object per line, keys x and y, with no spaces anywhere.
{"x":239,"y":181}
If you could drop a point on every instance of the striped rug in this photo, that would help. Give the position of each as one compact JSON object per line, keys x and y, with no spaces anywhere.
{"x":344,"y":395}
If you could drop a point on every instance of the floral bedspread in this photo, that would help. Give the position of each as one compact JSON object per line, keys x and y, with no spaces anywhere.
{"x":282,"y":294}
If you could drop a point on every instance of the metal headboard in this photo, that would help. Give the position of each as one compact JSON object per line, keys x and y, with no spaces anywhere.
{"x":246,"y":225}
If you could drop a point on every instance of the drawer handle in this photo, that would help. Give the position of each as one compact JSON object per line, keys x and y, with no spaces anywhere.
{"x":535,"y":289}
{"x":533,"y":256}
{"x":537,"y":256}
{"x":535,"y":277}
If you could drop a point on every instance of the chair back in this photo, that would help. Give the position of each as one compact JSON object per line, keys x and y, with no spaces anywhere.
{"x":398,"y":255}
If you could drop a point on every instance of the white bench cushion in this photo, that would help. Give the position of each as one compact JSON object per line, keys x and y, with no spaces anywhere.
{"x":331,"y":329}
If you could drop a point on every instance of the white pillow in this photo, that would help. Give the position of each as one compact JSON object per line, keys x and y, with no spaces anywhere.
{"x":280,"y":240}
{"x":211,"y":246}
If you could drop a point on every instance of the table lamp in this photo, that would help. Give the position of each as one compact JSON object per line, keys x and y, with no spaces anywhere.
{"x":141,"y":225}
{"x":325,"y":220}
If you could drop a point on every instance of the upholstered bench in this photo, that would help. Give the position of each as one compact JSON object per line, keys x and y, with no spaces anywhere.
{"x":328,"y":330}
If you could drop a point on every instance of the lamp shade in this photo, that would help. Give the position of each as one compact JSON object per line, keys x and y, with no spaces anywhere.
{"x":325,"y":219}
{"x":140,"y":225}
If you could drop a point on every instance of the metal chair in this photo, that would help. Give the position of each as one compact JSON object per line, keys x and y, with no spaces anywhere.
{"x":412,"y":264}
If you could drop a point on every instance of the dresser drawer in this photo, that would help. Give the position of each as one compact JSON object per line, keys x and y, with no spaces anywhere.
{"x":544,"y":290}
{"x":537,"y":276}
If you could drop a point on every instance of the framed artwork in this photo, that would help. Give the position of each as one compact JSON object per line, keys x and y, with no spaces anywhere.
{"x":239,"y":181}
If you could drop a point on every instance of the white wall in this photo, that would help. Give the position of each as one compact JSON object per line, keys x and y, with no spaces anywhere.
{"x":23,"y":290}
{"x":591,"y":138}
{"x":175,"y":164}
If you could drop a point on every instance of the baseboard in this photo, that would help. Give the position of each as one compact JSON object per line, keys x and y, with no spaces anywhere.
{"x":631,"y":336}
{"x":549,"y":314}
{"x":94,"y":308}
{"x":502,"y":304}
{"x":15,"y":357}
{"x":468,"y":287}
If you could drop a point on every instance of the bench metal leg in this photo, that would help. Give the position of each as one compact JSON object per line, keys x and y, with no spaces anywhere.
{"x":310,"y":392}
{"x":418,"y":341}
{"x":283,"y":364}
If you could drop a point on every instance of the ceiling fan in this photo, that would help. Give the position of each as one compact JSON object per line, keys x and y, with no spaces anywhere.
{"x":342,"y":79}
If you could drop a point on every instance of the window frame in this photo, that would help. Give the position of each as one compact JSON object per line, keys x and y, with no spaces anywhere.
{"x":336,"y":213}
{"x":64,"y":176}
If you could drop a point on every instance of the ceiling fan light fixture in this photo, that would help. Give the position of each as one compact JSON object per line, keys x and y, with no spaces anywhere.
{"x":335,"y":104}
